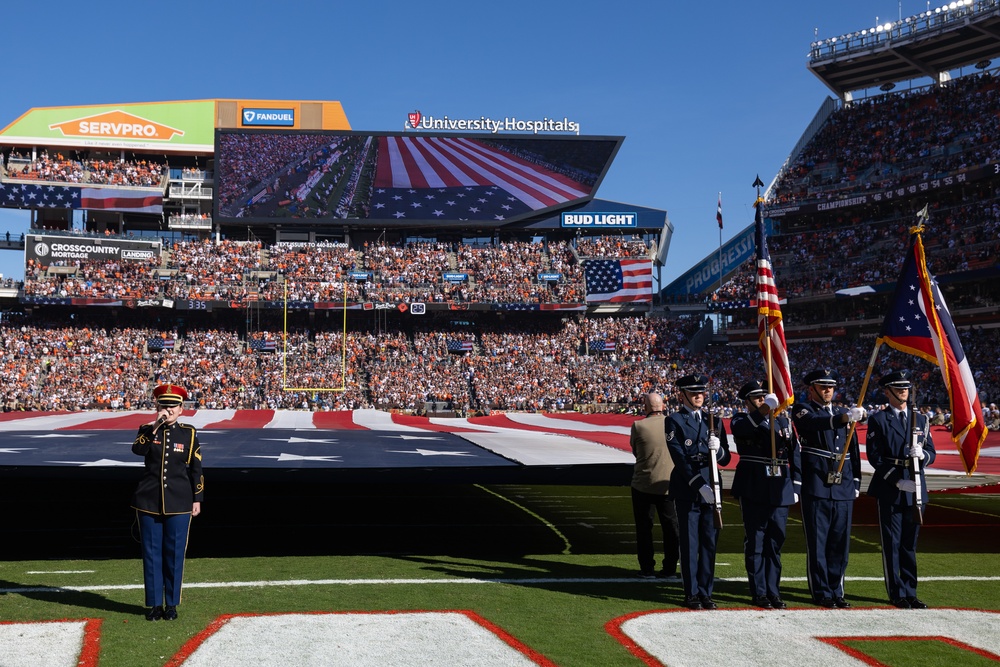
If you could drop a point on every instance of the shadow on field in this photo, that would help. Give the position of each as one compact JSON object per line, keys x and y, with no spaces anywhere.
{"x":72,"y":598}
{"x":77,"y":519}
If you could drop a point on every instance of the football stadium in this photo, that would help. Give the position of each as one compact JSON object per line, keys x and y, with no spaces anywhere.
{"x":414,"y":359}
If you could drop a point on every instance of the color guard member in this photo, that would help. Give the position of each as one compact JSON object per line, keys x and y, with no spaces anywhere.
{"x":827,"y":494}
{"x":694,"y":438}
{"x":891,"y":449}
{"x":766,"y":482}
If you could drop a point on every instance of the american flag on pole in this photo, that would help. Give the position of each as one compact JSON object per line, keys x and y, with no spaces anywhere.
{"x":618,"y":280}
{"x":919,"y":323}
{"x":602,"y":345}
{"x":770,"y":328}
{"x":455,"y":178}
{"x":718,"y":212}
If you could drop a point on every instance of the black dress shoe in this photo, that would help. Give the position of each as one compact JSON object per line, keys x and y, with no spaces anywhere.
{"x":826,"y":602}
{"x":900,"y":603}
{"x":916,"y":603}
{"x":708,"y":603}
{"x":691,"y":602}
{"x":664,"y":574}
{"x":646,"y":574}
{"x":841,"y":603}
{"x":154,"y":613}
{"x":170,"y":613}
{"x":762,"y":602}
{"x":777,"y":602}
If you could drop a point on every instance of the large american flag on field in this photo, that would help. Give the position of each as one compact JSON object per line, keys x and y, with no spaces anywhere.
{"x":49,"y":195}
{"x":455,"y":178}
{"x":770,"y":328}
{"x":618,"y":280}
{"x":919,"y":323}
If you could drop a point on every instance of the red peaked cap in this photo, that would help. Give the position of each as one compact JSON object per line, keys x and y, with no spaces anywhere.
{"x":170,"y":394}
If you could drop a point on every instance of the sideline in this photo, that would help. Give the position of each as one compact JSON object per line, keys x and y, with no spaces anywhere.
{"x":412,"y":582}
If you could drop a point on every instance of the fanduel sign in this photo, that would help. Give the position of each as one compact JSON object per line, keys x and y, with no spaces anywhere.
{"x":269,"y":117}
{"x":417,"y":121}
{"x":599,"y":220}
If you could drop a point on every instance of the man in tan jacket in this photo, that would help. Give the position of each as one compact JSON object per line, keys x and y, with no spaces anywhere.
{"x":651,"y":488}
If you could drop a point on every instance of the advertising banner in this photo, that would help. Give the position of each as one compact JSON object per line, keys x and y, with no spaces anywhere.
{"x":48,"y":249}
{"x":167,"y":126}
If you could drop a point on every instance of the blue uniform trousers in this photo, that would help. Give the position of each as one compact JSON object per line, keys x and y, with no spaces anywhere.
{"x":899,"y":533}
{"x":698,"y":540}
{"x":164,"y":542}
{"x":764,"y":529}
{"x":827,"y":524}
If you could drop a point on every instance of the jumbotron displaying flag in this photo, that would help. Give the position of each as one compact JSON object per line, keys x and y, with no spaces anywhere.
{"x":919,"y":323}
{"x":770,"y":328}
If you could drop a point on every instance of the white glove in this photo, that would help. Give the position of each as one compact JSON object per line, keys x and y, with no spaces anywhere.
{"x":907,"y":485}
{"x":857,"y":494}
{"x":707,"y":495}
{"x":714,"y":443}
{"x":857,"y":413}
{"x":795,"y":499}
{"x":917,"y":451}
{"x":771,"y":401}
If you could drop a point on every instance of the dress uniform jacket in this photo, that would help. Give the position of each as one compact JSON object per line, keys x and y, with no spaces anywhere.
{"x":827,"y":509}
{"x":823,"y":438}
{"x":752,"y":434}
{"x":888,"y":450}
{"x":172,"y":480}
{"x":687,"y":440}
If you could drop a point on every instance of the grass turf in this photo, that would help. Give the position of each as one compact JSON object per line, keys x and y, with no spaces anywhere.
{"x":557,"y":561}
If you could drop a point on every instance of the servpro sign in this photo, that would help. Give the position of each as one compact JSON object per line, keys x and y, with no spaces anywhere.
{"x":116,"y":125}
{"x":155,"y":126}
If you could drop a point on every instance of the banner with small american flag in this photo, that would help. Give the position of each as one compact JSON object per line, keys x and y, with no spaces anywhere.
{"x":459,"y":345}
{"x":159,"y":344}
{"x":52,"y":195}
{"x":263,"y":345}
{"x":770,"y":328}
{"x":618,"y":280}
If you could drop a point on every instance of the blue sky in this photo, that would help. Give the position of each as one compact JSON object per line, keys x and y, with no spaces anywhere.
{"x":706,"y":96}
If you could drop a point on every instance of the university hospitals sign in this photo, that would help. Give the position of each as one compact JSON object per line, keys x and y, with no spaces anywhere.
{"x":417,"y":121}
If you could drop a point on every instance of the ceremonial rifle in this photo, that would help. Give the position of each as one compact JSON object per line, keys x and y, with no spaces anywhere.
{"x":716,"y":478}
{"x":918,"y":501}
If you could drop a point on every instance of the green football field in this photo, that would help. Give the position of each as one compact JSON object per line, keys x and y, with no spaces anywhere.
{"x":550,"y":569}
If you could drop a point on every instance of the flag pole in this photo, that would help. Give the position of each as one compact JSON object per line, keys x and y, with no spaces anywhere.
{"x":767,"y":354}
{"x":719,"y":218}
{"x":854,"y":425}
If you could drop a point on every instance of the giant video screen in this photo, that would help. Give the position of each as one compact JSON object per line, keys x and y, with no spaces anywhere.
{"x":268,"y":177}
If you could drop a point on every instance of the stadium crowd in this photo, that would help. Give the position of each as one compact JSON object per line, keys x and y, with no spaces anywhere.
{"x":893,"y":140}
{"x":61,"y":169}
{"x":550,"y":365}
